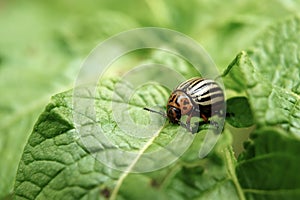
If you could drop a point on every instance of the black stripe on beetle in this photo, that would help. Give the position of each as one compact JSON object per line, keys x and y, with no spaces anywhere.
{"x":194,"y":97}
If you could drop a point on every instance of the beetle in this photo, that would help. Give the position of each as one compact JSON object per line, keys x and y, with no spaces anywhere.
{"x":198,"y":97}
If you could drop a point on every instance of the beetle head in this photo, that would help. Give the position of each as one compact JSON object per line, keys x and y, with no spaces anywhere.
{"x":174,"y":114}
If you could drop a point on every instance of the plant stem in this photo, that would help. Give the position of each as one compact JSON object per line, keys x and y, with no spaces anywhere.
{"x":230,"y":163}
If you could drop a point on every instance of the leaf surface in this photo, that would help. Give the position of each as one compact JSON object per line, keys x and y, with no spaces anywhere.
{"x":269,"y":74}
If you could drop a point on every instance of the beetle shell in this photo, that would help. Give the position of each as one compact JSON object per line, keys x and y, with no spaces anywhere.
{"x":195,"y":97}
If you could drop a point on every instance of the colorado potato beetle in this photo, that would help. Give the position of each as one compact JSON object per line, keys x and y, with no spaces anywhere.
{"x":194,"y":97}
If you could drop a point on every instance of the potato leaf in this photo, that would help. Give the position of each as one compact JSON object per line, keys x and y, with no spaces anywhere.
{"x":269,"y":76}
{"x":58,"y":163}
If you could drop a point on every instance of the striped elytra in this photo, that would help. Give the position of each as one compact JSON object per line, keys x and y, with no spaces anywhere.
{"x":196,"y":97}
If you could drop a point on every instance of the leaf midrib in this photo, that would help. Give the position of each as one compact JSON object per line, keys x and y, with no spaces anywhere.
{"x":130,"y":167}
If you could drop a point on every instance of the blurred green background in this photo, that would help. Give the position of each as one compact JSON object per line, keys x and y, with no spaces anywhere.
{"x":44,"y":43}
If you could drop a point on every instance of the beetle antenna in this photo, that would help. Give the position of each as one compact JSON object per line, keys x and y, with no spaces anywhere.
{"x":157,"y":112}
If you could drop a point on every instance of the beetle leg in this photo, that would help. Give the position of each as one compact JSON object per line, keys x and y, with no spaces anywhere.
{"x":188,"y":121}
{"x":187,"y":126}
{"x":204,"y":118}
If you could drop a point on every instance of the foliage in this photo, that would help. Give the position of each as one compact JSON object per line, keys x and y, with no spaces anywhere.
{"x":45,"y":42}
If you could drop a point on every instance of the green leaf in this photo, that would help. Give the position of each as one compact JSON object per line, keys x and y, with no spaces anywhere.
{"x":210,"y":178}
{"x":271,"y":103}
{"x":268,"y":76}
{"x":57,"y":163}
{"x":40,"y":55}
{"x":54,"y":163}
{"x":239,"y":112}
{"x":26,"y":81}
{"x":32,"y":65}
{"x":269,"y":168}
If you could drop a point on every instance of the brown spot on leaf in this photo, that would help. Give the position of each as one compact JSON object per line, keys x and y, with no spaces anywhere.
{"x":154,"y":183}
{"x":105,"y":192}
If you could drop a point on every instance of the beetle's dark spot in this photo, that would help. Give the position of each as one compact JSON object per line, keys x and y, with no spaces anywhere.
{"x":105,"y":192}
{"x":186,"y":102}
